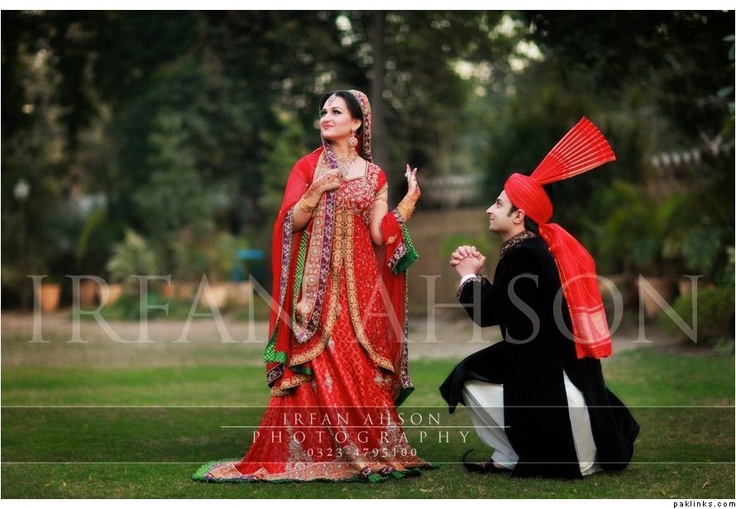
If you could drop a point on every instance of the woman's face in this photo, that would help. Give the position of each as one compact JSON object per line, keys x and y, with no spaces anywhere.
{"x":335,"y":120}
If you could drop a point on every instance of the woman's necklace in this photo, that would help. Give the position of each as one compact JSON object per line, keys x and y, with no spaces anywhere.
{"x":344,"y":164}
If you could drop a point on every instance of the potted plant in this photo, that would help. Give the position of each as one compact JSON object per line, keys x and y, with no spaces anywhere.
{"x":222,"y":260}
{"x":49,"y":295}
{"x":130,"y":257}
{"x":655,"y":253}
{"x":633,"y":239}
{"x":91,"y":251}
{"x":47,"y":289}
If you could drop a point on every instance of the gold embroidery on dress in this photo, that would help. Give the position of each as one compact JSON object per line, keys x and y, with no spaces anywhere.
{"x":337,"y":256}
{"x":304,"y":357}
{"x":310,"y":282}
{"x":352,"y":295}
{"x":295,"y":380}
{"x":297,"y":455}
{"x":347,"y":209}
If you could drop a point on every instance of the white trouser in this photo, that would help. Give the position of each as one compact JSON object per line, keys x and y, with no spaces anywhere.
{"x":485,"y":404}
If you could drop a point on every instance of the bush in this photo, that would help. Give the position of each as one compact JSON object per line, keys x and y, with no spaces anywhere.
{"x":715,"y":314}
{"x":132,"y":256}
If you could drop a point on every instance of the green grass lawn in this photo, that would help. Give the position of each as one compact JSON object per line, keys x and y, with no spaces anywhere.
{"x":81,"y":430}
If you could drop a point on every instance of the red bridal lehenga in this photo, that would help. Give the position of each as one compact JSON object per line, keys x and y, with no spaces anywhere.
{"x":337,"y":361}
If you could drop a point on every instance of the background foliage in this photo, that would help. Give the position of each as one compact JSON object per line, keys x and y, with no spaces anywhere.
{"x":183,"y":124}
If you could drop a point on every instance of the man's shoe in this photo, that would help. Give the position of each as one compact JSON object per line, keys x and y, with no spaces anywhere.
{"x":486,"y":467}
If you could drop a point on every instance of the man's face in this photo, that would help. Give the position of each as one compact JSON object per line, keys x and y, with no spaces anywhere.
{"x":500,"y":220}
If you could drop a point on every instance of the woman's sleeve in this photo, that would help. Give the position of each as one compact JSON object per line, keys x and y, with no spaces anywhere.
{"x":284,"y":248}
{"x":382,"y":184}
{"x":297,"y":184}
{"x":400,"y":251}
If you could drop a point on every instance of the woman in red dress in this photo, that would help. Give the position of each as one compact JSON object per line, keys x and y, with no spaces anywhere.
{"x":337,"y":354}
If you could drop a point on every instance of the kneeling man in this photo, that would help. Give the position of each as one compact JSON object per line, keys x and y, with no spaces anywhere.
{"x":538,"y":397}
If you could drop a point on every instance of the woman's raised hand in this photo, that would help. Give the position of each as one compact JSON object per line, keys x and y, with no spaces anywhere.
{"x":413,"y":191}
{"x":406,"y":205}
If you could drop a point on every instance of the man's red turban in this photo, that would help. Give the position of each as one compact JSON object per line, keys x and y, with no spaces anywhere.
{"x":581,"y":149}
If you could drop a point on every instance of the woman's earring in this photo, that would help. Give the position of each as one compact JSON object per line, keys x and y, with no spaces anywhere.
{"x":353,"y":141}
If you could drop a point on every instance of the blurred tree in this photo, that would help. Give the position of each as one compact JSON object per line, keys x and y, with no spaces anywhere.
{"x":681,"y":55}
{"x":665,"y":82}
{"x":33,"y":180}
{"x":175,"y":209}
{"x":84,"y":94}
{"x":424,"y":92}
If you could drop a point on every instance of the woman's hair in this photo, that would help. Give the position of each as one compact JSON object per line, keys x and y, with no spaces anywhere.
{"x":353,"y":106}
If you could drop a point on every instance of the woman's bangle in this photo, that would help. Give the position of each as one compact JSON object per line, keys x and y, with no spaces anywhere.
{"x":406,"y":210}
{"x":306,"y":206}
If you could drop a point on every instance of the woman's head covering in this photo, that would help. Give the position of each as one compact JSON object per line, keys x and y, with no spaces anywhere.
{"x":365,"y":108}
{"x":581,"y":149}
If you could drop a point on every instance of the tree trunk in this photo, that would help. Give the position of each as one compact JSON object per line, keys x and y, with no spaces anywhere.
{"x":380,"y":140}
